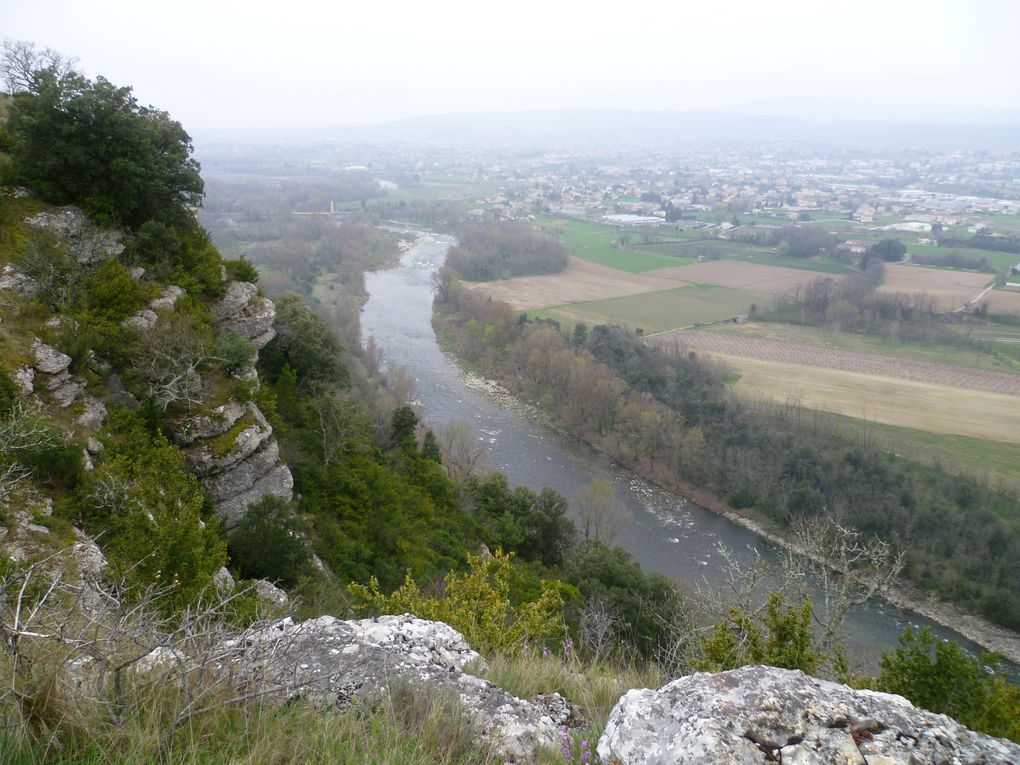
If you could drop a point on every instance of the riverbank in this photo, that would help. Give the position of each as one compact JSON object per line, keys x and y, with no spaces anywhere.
{"x":980,"y":631}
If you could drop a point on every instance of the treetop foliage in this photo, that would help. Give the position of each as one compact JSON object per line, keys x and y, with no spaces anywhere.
{"x":89,"y":143}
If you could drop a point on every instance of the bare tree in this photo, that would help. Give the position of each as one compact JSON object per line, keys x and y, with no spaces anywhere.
{"x":20,"y":60}
{"x":172,"y":354}
{"x":464,"y":453}
{"x":340,"y":422}
{"x":602,"y":515}
{"x":598,"y":628}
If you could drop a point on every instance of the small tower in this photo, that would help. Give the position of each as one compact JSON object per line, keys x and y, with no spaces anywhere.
{"x":332,"y":207}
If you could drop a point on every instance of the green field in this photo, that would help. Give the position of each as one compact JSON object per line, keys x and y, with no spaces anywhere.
{"x":594,"y":242}
{"x":661,"y":311}
{"x":978,"y":457}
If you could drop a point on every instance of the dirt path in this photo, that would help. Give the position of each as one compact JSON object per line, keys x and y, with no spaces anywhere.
{"x":849,"y":361}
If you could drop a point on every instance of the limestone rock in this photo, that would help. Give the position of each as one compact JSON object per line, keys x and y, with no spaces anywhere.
{"x":168,"y":299}
{"x":243,"y":312}
{"x":87,"y":242}
{"x":206,"y":426}
{"x":278,"y":482}
{"x":143,"y":320}
{"x":48,"y":359}
{"x":15,"y":281}
{"x":335,"y":662}
{"x":243,"y":476}
{"x":763,"y":714}
{"x":25,"y":378}
{"x":236,"y":298}
{"x":94,"y":415}
{"x":270,"y":593}
{"x":223,"y":581}
{"x":205,"y":459}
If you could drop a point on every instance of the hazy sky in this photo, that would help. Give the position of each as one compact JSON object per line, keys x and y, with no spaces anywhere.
{"x":221,"y":63}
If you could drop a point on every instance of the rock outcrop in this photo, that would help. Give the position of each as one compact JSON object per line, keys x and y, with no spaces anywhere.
{"x":86,"y":242}
{"x":762,"y":714}
{"x":50,"y":371}
{"x":243,"y":311}
{"x":333,"y":663}
{"x":234,"y":453}
{"x":15,"y":281}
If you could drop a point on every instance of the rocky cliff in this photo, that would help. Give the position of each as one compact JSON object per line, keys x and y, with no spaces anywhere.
{"x":229,"y":446}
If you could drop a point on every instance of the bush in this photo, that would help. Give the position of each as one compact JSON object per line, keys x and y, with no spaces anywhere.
{"x":241,"y":270}
{"x":268,"y":544}
{"x":234,"y":352}
{"x":939,"y":676}
{"x":477,"y":604}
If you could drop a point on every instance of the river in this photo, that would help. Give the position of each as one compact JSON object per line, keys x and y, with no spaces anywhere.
{"x":667,"y":534}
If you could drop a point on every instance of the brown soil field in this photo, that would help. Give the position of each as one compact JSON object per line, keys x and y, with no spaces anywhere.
{"x":908,"y":403}
{"x":850,"y":361}
{"x":579,"y":281}
{"x":1002,"y":301}
{"x":951,"y":289}
{"x":775,"y":280}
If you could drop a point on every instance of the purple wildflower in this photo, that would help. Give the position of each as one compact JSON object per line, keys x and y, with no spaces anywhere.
{"x":565,"y":743}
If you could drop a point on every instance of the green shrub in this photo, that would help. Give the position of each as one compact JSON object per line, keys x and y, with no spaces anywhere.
{"x":477,"y":603}
{"x":241,"y":270}
{"x":268,"y":544}
{"x":234,"y":352}
{"x":940,"y":676}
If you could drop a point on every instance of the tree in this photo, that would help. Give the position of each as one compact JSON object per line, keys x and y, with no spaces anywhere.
{"x":20,"y":60}
{"x":602,"y":515}
{"x":463,"y":452}
{"x":88,"y":143}
{"x":889,"y":250}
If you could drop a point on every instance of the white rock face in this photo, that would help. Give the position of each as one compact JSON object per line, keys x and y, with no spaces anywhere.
{"x":760,"y":714}
{"x":271,"y":593}
{"x":87,"y":242}
{"x":48,"y":359}
{"x":14,"y":281}
{"x":243,"y":312}
{"x":331,"y":662}
{"x":25,"y":378}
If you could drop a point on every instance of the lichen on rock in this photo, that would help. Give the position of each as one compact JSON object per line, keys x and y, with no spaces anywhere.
{"x":760,"y":714}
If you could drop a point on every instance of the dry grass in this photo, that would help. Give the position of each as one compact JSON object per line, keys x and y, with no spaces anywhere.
{"x":950,"y":289}
{"x":907,"y":403}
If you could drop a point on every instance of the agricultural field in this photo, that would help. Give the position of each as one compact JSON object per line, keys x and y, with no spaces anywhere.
{"x":1002,"y":301}
{"x":874,"y":398}
{"x":950,"y":289}
{"x":594,"y":243}
{"x":579,"y":281}
{"x":999,"y":357}
{"x":872,"y":364}
{"x":662,"y":310}
{"x":771,"y":280}
{"x":991,"y":461}
{"x":739,"y":251}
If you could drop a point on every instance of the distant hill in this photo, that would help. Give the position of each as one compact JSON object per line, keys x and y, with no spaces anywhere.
{"x":600,"y":125}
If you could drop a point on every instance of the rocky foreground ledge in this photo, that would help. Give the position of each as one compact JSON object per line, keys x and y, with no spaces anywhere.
{"x":761,"y":714}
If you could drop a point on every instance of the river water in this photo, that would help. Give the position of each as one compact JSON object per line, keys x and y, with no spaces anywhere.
{"x":667,"y":533}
